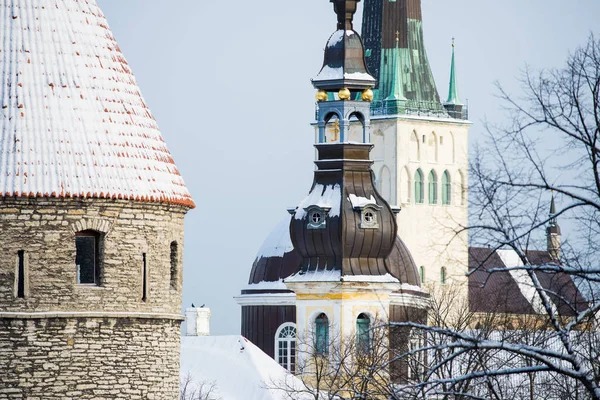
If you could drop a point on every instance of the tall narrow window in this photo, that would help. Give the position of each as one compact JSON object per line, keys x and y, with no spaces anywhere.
{"x":174,"y":257}
{"x":144,"y":278}
{"x":87,"y":257}
{"x":322,"y":334}
{"x":363,"y":333}
{"x":422,"y":273}
{"x":432,"y":189}
{"x":21,"y":274}
{"x":285,"y":345}
{"x":443,"y":275}
{"x":446,"y":188}
{"x":419,"y":187}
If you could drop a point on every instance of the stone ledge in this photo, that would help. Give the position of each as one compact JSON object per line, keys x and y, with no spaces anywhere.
{"x":61,"y":314}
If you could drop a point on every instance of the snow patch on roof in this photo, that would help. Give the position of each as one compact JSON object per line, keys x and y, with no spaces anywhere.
{"x":387,"y":278}
{"x":73,"y":122}
{"x":316,"y":276}
{"x":338,"y":36}
{"x":511,"y":259}
{"x":359,"y":201}
{"x":264,"y":285}
{"x":322,"y":196}
{"x":278,"y":242}
{"x":237,"y":368}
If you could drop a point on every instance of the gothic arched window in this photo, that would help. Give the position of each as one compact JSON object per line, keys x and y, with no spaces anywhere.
{"x":419,"y":187}
{"x":432,"y":187}
{"x":285,"y":346}
{"x":422,"y":273}
{"x":322,"y":334}
{"x":446,"y":188}
{"x":363,"y":332}
{"x":443,"y":275}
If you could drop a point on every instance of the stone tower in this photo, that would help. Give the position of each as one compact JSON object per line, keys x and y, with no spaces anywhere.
{"x":91,"y":215}
{"x":420,"y":144}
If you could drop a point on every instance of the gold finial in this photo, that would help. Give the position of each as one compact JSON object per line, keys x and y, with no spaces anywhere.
{"x":344,"y":94}
{"x":397,"y":36}
{"x":321,"y":95}
{"x":367,"y":95}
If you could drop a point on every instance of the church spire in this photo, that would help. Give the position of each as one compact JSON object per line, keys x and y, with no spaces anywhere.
{"x":453,"y":89}
{"x":453,"y":105}
{"x":395,"y":101}
{"x":553,"y":234}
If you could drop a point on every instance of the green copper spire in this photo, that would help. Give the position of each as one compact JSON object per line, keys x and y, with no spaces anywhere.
{"x":397,"y":88}
{"x":453,"y":90}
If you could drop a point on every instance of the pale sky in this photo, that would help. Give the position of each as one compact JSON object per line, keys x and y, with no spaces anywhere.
{"x":229,"y":84}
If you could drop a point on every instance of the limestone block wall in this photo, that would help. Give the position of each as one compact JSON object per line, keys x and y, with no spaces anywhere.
{"x":89,"y":358}
{"x":45,"y":231}
{"x":64,"y":340}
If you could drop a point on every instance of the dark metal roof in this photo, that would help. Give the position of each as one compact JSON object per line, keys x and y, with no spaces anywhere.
{"x":401,"y":265}
{"x":498,"y":292}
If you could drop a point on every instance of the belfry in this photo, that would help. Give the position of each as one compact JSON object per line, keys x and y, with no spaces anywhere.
{"x":340,"y":267}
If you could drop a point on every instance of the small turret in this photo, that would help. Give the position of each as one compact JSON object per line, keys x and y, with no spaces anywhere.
{"x":453,"y":104}
{"x":553,"y":234}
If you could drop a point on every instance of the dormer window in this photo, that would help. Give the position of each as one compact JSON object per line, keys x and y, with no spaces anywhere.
{"x":368,"y":218}
{"x":317,"y":217}
{"x":369,"y":211}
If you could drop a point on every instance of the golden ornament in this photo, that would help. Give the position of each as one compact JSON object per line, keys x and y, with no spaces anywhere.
{"x":344,"y":94}
{"x":321,"y":95}
{"x":367,"y":95}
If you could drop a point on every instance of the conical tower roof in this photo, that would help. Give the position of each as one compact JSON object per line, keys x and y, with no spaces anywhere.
{"x":73,"y":122}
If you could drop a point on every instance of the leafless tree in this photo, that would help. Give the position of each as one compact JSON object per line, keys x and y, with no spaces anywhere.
{"x":203,"y":390}
{"x":551,"y":144}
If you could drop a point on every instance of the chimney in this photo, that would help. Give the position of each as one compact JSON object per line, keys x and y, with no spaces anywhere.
{"x":197,"y":321}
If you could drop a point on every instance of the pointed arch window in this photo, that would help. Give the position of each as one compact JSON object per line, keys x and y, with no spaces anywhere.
{"x":285,"y":346}
{"x":446,"y":188}
{"x":422,"y":273}
{"x":443,"y":276}
{"x":419,"y":187}
{"x":363,"y":333}
{"x":322,"y":334}
{"x":432,"y":187}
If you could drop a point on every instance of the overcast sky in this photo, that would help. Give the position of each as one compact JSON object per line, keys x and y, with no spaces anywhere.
{"x":229,"y":83}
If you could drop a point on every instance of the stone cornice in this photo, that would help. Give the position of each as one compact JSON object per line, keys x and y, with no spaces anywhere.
{"x":85,"y":314}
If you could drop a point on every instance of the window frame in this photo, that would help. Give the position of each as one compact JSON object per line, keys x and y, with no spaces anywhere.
{"x":419,"y":189}
{"x":98,"y":257}
{"x":321,"y":343}
{"x":432,"y":186}
{"x":363,"y":336}
{"x":290,"y":344}
{"x":446,"y":188}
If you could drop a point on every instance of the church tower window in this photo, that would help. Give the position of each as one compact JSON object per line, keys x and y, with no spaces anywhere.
{"x":285,"y":346}
{"x":21,"y":274}
{"x":446,"y":188}
{"x":174,"y":257}
{"x":432,"y":187}
{"x":363,"y":333}
{"x":443,"y":276}
{"x":419,"y":187}
{"x":422,"y":273}
{"x":88,"y":257}
{"x":317,"y":217}
{"x":322,"y":334}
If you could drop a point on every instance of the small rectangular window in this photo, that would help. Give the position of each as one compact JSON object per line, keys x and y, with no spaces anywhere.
{"x":144,"y":278}
{"x":21,"y":274}
{"x":174,"y":257}
{"x":88,"y":257}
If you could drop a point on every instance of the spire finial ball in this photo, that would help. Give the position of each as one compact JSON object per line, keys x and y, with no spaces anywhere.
{"x":321,"y":95}
{"x":367,"y":95}
{"x":344,"y":94}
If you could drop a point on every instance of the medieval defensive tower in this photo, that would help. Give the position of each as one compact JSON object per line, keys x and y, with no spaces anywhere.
{"x":91,"y":215}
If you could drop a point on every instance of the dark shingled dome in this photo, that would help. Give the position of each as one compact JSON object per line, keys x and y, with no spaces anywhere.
{"x":277,"y":259}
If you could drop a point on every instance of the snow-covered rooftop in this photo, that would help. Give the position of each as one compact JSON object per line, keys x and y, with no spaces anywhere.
{"x":73,"y":122}
{"x":322,"y":196}
{"x":235,"y":368}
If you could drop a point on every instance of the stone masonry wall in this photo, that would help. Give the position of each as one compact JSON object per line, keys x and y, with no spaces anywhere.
{"x":45,"y":229}
{"x":89,"y":358}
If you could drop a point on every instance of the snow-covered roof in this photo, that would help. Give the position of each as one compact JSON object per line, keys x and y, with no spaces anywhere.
{"x":278,"y":242}
{"x":326,"y":196}
{"x":73,"y":122}
{"x":235,"y":368}
{"x":360,"y":201}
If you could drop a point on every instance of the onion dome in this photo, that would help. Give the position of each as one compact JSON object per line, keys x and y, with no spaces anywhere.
{"x":344,"y":224}
{"x":344,"y":65}
{"x":277,"y":259}
{"x":73,"y":122}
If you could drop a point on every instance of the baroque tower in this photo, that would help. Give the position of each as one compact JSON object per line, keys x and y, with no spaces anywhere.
{"x":91,"y":215}
{"x":337,"y":267}
{"x":420,"y":154}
